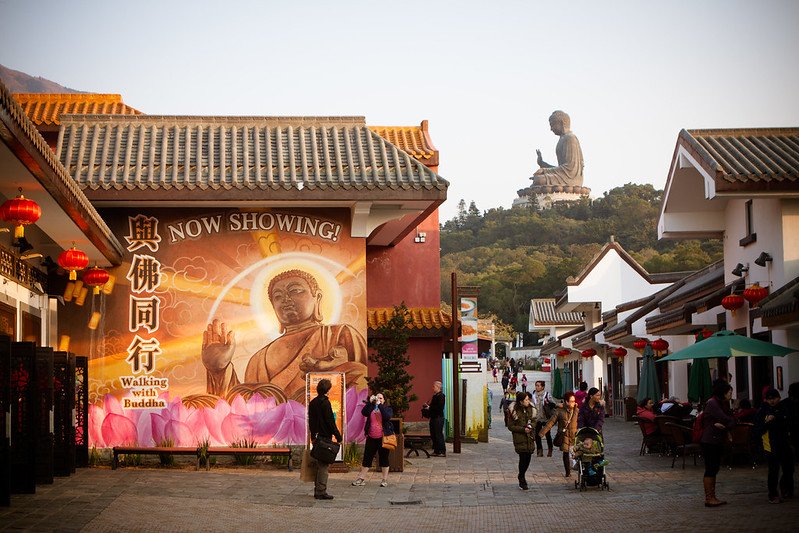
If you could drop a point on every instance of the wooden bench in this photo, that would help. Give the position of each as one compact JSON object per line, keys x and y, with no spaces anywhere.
{"x":197,"y":452}
{"x":222,"y":450}
{"x":416,"y":442}
{"x":152,"y":450}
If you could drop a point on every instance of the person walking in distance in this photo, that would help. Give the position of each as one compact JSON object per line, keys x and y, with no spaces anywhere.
{"x":543,"y":403}
{"x":322,"y":423}
{"x":436,"y":411}
{"x":566,"y":418}
{"x":521,"y":423}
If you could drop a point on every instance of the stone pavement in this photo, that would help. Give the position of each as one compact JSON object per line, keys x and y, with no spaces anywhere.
{"x":474,"y":491}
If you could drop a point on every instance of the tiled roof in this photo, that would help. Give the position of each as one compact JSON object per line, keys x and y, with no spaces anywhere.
{"x":680,"y":319}
{"x":696,"y":285}
{"x":428,"y":318}
{"x":54,"y":178}
{"x":414,"y":140}
{"x":586,"y":340}
{"x":747,"y":155}
{"x":542,"y":314}
{"x":323,"y":154}
{"x":781,"y":306}
{"x":46,"y":109}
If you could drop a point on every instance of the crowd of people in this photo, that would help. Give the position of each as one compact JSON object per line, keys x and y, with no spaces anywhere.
{"x":774,"y":433}
{"x":532,"y":415}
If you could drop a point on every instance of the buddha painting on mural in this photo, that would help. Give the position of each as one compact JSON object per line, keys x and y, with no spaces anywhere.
{"x":306,"y":343}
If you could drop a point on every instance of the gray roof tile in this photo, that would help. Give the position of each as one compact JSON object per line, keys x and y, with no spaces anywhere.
{"x":116,"y":153}
{"x":748,"y":155}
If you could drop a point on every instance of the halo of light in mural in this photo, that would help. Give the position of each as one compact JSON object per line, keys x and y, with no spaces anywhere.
{"x":267,"y":268}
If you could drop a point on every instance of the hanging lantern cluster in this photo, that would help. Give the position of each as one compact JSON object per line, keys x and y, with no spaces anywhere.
{"x":564,"y":352}
{"x":95,"y":277}
{"x":620,"y":352}
{"x":589,"y":353}
{"x":73,"y":260}
{"x":640,"y":344}
{"x":732,"y":302}
{"x":660,"y":346}
{"x":20,"y":212}
{"x":754,"y":294}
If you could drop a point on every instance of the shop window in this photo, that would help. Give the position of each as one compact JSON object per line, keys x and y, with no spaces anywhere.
{"x":751,"y":236}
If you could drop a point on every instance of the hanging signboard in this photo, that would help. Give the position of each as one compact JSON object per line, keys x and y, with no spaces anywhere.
{"x":469,"y":349}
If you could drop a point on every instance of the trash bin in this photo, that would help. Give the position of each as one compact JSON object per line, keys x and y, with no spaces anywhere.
{"x":396,"y":457}
{"x":630,"y":407}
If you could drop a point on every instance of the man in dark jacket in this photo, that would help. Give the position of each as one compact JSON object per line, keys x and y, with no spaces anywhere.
{"x":322,"y":424}
{"x":771,"y":423}
{"x":436,"y":413}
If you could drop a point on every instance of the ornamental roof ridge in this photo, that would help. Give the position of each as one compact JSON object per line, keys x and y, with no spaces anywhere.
{"x":216,"y":119}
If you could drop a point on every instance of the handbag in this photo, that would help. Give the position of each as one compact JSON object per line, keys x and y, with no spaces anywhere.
{"x":325,"y":450}
{"x":389,"y":442}
{"x":558,"y":440}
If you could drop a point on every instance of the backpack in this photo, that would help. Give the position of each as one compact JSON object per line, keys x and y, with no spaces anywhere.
{"x":699,"y":427}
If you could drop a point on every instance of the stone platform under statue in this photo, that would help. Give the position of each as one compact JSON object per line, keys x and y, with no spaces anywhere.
{"x":546,"y":195}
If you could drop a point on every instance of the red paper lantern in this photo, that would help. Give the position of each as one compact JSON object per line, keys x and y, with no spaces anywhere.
{"x":564,"y":352}
{"x":754,"y":294}
{"x":660,"y":346}
{"x":95,"y":277}
{"x":590,"y":352}
{"x":732,"y":302}
{"x":73,"y":260}
{"x":640,"y":344}
{"x":620,"y":352}
{"x":20,"y":211}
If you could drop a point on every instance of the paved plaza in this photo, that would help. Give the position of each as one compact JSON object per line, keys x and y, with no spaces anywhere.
{"x":474,"y":491}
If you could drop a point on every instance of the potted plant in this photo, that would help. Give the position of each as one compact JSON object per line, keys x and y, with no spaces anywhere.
{"x":390,"y":354}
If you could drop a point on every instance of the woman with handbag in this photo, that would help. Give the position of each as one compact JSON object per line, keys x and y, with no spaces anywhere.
{"x":378,"y":429}
{"x":322,"y":426}
{"x":566,"y":418}
{"x":521,"y":423}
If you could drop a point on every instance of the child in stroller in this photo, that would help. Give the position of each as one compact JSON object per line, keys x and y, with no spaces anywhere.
{"x":589,"y":453}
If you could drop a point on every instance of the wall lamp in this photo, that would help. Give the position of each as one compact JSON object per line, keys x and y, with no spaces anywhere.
{"x":740,"y":269}
{"x":420,"y":236}
{"x":763,"y":258}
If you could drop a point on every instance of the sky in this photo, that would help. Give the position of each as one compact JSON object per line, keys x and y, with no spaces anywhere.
{"x":487,"y":75}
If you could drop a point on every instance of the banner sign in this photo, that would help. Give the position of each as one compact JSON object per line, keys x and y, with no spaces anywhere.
{"x":209,"y":327}
{"x":469,"y":349}
{"x":337,"y":401}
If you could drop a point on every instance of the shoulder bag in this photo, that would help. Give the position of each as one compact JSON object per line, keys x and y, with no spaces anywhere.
{"x":558,"y":440}
{"x":389,"y":442}
{"x":325,"y":450}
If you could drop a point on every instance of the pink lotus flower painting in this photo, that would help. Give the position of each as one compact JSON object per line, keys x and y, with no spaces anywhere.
{"x":258,"y":419}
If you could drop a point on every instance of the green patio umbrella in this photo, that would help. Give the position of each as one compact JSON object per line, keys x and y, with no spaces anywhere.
{"x":700,"y":386}
{"x":648,"y":385}
{"x":557,"y":385}
{"x":729,"y":344}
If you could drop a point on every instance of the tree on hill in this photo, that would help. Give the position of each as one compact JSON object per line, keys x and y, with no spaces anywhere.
{"x":522,"y":253}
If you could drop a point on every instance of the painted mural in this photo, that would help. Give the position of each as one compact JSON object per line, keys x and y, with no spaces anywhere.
{"x":209,"y":328}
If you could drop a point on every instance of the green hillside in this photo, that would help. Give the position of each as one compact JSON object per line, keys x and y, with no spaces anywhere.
{"x":522,"y":253}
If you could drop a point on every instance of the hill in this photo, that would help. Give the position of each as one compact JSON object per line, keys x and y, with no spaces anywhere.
{"x":19,"y":82}
{"x":522,"y":253}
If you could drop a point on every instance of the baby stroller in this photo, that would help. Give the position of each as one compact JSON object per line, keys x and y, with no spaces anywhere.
{"x":589,"y":472}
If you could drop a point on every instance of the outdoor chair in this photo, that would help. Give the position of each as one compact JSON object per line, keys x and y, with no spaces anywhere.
{"x":741,"y":444}
{"x":668,"y":438}
{"x":648,"y":441}
{"x":681,"y":435}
